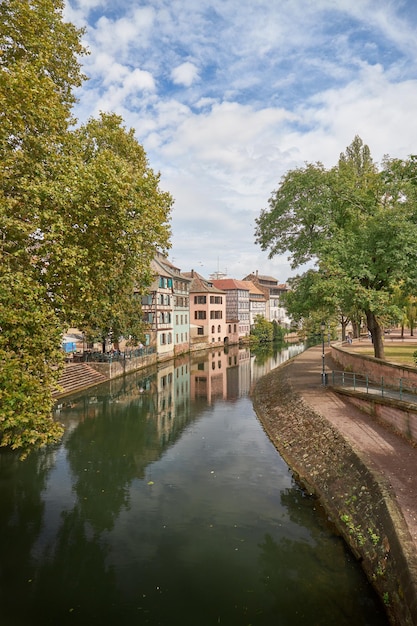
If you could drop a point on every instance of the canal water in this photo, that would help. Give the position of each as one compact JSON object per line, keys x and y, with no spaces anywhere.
{"x":166,"y":504}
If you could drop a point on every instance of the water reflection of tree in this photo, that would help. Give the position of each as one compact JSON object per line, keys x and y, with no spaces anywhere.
{"x":21,"y":518}
{"x":265,"y":351}
{"x":106,"y":453}
{"x":296,"y":572}
{"x":74,"y":578}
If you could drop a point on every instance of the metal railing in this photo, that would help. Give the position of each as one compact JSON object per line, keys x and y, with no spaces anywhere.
{"x":399,"y":388}
{"x":100,"y":357}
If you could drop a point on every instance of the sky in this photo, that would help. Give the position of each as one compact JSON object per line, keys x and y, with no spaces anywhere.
{"x":226,"y":96}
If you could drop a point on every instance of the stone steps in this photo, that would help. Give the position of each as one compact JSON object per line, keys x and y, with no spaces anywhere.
{"x":78,"y":376}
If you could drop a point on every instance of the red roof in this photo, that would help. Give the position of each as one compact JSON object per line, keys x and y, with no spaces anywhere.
{"x":231,"y":283}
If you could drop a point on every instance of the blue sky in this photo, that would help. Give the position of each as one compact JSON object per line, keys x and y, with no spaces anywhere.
{"x":227,"y":95}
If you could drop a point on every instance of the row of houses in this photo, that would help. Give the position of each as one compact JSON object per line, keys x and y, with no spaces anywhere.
{"x":184,"y":310}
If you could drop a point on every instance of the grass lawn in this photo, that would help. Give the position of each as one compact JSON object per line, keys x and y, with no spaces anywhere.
{"x":402,"y":354}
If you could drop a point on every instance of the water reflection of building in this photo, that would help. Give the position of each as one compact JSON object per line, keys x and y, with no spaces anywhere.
{"x":223,"y":374}
{"x":208,"y":376}
{"x":163,"y":395}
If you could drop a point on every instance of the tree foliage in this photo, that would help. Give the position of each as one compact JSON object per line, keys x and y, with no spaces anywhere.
{"x":356,"y":224}
{"x":81,"y":215}
{"x":30,"y":359}
{"x":262,"y":330}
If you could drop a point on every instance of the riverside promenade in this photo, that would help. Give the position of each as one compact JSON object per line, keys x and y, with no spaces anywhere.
{"x":364,"y":474}
{"x":386,"y":452}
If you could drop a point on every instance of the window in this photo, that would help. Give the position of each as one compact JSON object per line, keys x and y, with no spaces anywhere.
{"x":219,"y":329}
{"x":147,"y":299}
{"x":230,"y":329}
{"x":216,"y":315}
{"x":200,"y":330}
{"x":200,"y":299}
{"x":216,"y":300}
{"x":213,"y":330}
{"x":200,"y":315}
{"x":163,"y":339}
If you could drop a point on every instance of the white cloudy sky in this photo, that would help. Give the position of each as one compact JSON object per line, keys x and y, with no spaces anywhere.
{"x":227,"y":95}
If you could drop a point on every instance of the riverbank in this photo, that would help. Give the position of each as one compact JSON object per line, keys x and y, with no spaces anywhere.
{"x":364,"y":474}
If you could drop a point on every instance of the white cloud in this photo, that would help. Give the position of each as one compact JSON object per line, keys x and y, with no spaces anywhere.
{"x":185,"y":74}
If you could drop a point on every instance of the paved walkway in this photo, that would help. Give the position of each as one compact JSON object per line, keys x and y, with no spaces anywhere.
{"x":390,"y":454}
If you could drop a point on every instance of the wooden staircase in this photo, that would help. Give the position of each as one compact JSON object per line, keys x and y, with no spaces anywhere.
{"x":78,"y":376}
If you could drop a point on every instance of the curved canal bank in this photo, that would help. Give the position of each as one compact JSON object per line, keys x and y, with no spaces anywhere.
{"x":373,"y":509}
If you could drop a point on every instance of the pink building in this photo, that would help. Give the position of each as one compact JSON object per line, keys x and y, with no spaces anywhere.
{"x":207,"y":311}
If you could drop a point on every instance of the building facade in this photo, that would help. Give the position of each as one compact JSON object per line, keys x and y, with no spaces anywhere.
{"x":207,"y":311}
{"x":237,"y":303}
{"x":166,"y":309}
{"x":180,"y":306}
{"x":273,"y":291}
{"x":257,"y":303}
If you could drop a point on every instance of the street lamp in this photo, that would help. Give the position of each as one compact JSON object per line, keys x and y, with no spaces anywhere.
{"x":323,"y":374}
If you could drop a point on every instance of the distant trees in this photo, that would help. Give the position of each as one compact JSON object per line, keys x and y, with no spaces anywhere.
{"x":358,"y":225}
{"x":264,"y":331}
{"x":81,"y":215}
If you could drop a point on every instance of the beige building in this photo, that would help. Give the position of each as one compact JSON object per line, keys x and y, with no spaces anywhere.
{"x":273,"y":291}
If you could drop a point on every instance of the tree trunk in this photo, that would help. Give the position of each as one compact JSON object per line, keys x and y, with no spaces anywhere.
{"x":376,"y":334}
{"x":344,"y":324}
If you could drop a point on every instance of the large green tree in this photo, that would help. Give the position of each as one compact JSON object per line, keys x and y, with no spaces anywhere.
{"x":108,"y":216}
{"x":355,"y":223}
{"x":39,"y":69}
{"x":81,"y":215}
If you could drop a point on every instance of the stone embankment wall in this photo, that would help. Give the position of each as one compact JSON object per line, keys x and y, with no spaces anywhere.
{"x":375,"y":369}
{"x":355,"y":498}
{"x":400,"y":415}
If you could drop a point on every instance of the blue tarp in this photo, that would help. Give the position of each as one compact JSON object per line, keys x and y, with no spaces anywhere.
{"x":69,"y":346}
